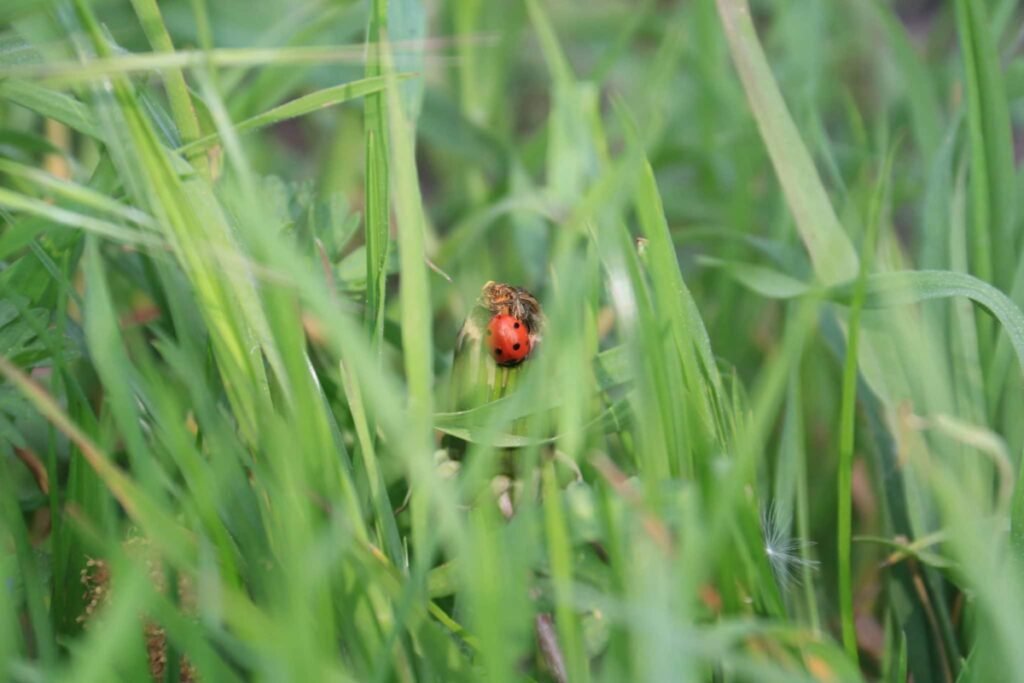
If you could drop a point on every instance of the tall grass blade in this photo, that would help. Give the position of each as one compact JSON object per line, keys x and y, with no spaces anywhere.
{"x":377,"y":212}
{"x":832,"y":254}
{"x":993,"y":198}
{"x":848,"y":413}
{"x":177,"y":89}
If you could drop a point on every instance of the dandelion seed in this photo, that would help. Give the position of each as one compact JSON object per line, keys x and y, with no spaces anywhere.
{"x":785,"y":553}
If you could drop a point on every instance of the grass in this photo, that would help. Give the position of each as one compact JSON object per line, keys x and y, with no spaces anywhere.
{"x":772,"y":428}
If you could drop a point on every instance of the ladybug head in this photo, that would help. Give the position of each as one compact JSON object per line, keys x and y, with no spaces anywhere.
{"x":508,"y":339}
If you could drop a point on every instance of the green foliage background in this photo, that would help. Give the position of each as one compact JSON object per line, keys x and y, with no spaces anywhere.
{"x":772,"y":431}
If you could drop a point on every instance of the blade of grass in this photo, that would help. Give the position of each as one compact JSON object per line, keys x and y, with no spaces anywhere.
{"x":847,"y":415}
{"x":73,"y":219}
{"x":832,"y":254}
{"x":415,"y":307}
{"x":901,"y":288}
{"x":112,"y":364}
{"x":79,"y":194}
{"x":387,"y":529}
{"x":68,"y":73}
{"x":301,"y":106}
{"x":557,"y":63}
{"x":992,"y":177}
{"x":182,"y":109}
{"x":407,"y":25}
{"x":11,"y":643}
{"x":675,"y":300}
{"x":38,"y":617}
{"x":377,"y":211}
{"x":204,"y":30}
{"x":560,"y":558}
{"x":51,"y":104}
{"x":247,"y":90}
{"x":661,"y":442}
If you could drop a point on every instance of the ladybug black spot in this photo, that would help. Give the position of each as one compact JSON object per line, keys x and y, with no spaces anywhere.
{"x":516,"y":326}
{"x":497,"y":351}
{"x":515,"y":347}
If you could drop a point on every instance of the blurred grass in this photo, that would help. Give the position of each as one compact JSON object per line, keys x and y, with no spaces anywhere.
{"x":741,"y":452}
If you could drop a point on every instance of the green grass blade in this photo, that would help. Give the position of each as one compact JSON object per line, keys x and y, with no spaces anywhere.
{"x":676,"y":301}
{"x":13,"y":524}
{"x":67,"y":73}
{"x":414,"y":291}
{"x":177,"y":90}
{"x":387,"y":529}
{"x":51,"y":104}
{"x":78,"y":194}
{"x":832,"y":254}
{"x":300,"y":106}
{"x":377,"y":211}
{"x":560,"y":554}
{"x":901,"y":288}
{"x":407,"y":25}
{"x":107,"y":349}
{"x":377,"y":221}
{"x":847,"y":416}
{"x":993,"y":195}
{"x":558,"y":64}
{"x":73,"y":219}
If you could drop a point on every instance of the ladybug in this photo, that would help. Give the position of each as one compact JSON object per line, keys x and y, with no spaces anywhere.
{"x":508,"y":339}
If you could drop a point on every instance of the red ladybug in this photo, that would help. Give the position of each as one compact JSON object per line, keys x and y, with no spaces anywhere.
{"x":508,"y":339}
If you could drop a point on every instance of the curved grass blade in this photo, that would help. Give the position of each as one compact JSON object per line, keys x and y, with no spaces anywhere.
{"x":300,"y":106}
{"x":898,"y":288}
{"x":830,"y":249}
{"x":481,"y":430}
